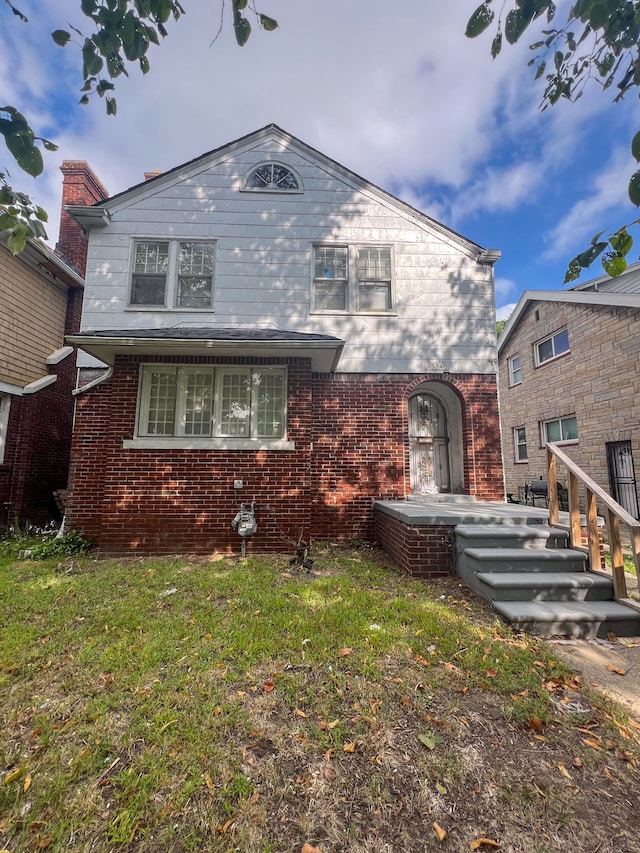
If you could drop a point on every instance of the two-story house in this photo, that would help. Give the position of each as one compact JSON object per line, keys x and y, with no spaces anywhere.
{"x":569,"y":373}
{"x":277,"y":332}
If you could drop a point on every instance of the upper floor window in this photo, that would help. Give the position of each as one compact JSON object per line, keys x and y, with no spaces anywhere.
{"x":352,"y":278}
{"x":172,"y":273}
{"x":520,"y":444}
{"x":552,"y":347}
{"x":230,"y":402}
{"x":515,"y":370}
{"x":560,"y":430}
{"x":273,"y":177}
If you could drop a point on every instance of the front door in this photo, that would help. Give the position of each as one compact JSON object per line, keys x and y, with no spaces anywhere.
{"x":622,"y":478}
{"x":428,"y":445}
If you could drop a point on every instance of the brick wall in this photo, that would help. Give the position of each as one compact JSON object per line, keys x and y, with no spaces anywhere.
{"x":350,"y":449}
{"x":38,"y":448}
{"x":79,"y":186}
{"x":423,"y":552}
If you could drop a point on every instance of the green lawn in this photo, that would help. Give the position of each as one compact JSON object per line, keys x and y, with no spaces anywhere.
{"x":214,"y":705}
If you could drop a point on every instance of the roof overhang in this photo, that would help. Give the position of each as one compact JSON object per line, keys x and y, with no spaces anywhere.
{"x":324,"y":354}
{"x":88,"y":217}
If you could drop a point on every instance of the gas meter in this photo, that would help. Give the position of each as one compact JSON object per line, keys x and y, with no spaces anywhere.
{"x":245,"y":521}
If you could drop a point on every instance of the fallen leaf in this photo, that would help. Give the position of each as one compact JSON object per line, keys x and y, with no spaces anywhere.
{"x":343,"y":652}
{"x":612,"y":637}
{"x":44,"y":841}
{"x":479,"y":842}
{"x":333,"y":724}
{"x":268,"y":686}
{"x":577,"y":762}
{"x":618,"y":670}
{"x":623,"y":755}
{"x":609,"y":775}
{"x":223,"y":827}
{"x":309,"y":848}
{"x":564,"y":770}
{"x":208,"y":780}
{"x":491,"y":673}
{"x":592,"y":743}
{"x":300,"y":713}
{"x":535,"y":723}
{"x":441,"y":833}
{"x":26,"y":786}
{"x":13,"y":775}
{"x":440,"y":788}
{"x":329,"y":773}
{"x":427,"y":740}
{"x":350,"y":747}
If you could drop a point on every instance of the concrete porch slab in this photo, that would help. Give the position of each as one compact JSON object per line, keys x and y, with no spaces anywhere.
{"x":451,"y":510}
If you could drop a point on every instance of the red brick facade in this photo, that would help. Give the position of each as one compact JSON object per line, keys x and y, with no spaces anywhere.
{"x":423,"y":552}
{"x":351,"y":448}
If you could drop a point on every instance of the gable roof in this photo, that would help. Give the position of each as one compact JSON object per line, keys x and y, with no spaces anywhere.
{"x":97,"y":215}
{"x":573,"y":297}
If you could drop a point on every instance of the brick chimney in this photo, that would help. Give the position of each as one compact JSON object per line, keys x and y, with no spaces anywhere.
{"x":79,"y":186}
{"x":149,"y":176}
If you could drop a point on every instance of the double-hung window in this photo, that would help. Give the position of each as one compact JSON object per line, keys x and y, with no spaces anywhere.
{"x":561,"y":430}
{"x":515,"y":370}
{"x":520,"y":444}
{"x":352,"y":278}
{"x":552,"y":347}
{"x":203,"y":401}
{"x":172,"y":274}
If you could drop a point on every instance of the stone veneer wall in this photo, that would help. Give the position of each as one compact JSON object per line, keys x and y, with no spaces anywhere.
{"x":598,"y":381}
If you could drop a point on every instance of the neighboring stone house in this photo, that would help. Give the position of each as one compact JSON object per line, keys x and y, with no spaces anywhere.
{"x":569,"y":372}
{"x":40,"y":302}
{"x":280,"y":333}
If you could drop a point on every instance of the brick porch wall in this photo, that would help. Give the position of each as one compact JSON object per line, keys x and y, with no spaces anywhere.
{"x":350,"y":434}
{"x":423,"y":552}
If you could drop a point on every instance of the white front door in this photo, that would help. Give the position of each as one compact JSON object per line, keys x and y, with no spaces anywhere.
{"x":428,"y":445}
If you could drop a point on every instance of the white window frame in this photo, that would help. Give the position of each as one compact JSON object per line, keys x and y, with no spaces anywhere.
{"x":5,"y":406}
{"x":515,"y":372}
{"x":216,"y":439}
{"x":518,"y":433}
{"x":560,"y":421}
{"x":556,"y":353}
{"x":353,"y":281}
{"x":172,"y":277}
{"x":271,"y":188}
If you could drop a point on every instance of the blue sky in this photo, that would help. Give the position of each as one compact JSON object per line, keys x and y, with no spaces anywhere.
{"x":393,"y":91}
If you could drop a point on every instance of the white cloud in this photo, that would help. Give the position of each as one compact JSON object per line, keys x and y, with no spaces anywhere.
{"x":504,"y":287}
{"x":505,"y":312}
{"x":590,"y":214}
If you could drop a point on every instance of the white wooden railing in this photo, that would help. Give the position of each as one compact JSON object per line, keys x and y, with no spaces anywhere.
{"x":614,"y":515}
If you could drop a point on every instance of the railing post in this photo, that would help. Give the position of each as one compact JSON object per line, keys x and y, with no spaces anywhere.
{"x":552,"y":488}
{"x":617,"y":560}
{"x":592,"y":531}
{"x":575,"y":535}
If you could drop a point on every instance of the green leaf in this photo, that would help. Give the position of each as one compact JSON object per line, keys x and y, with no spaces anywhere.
{"x":26,"y":155}
{"x":496,"y":45}
{"x":613,"y":264}
{"x":635,"y":147}
{"x":515,"y":25}
{"x":427,"y":740}
{"x":91,"y":62}
{"x":634,"y":188}
{"x":242,"y":29}
{"x":50,"y":146}
{"x":60,"y":37}
{"x":622,"y":242}
{"x":586,"y":258}
{"x":480,"y":20}
{"x":112,"y":106}
{"x":573,"y":271}
{"x":17,"y":239}
{"x":268,"y":24}
{"x":540,"y":70}
{"x":238,"y":5}
{"x":144,"y":64}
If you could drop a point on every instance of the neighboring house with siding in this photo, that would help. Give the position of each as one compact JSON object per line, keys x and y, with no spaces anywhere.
{"x":569,"y":372}
{"x":41,"y":302}
{"x":280,"y":332}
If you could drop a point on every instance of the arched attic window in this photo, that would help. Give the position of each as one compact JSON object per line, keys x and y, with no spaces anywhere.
{"x":273,"y":177}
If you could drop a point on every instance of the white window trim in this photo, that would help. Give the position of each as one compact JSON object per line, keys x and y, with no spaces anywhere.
{"x":543,"y":430}
{"x":215,"y":441}
{"x":512,"y":380}
{"x":171,"y":288}
{"x":353,"y":280}
{"x":278,"y":190}
{"x":5,"y":406}
{"x":538,"y":344}
{"x":516,"y":445}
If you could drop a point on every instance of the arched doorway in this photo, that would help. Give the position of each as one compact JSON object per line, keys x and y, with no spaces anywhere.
{"x":430,"y":466}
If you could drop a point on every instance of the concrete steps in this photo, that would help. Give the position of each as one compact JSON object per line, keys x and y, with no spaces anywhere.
{"x":537,"y":583}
